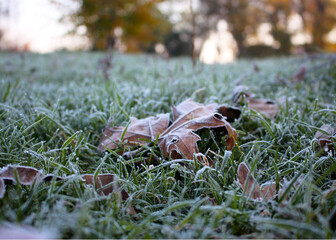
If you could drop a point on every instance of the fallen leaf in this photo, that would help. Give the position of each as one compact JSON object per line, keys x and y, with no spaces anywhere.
{"x":266,"y":107}
{"x":26,"y":175}
{"x":252,"y":187}
{"x":101,"y":181}
{"x":330,"y":191}
{"x":29,"y":175}
{"x":139,"y":129}
{"x":299,"y":75}
{"x":268,"y":190}
{"x":190,"y":110}
{"x":2,"y":188}
{"x":179,"y":140}
{"x":324,"y":140}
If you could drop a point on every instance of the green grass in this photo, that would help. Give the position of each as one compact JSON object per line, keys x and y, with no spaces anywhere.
{"x":46,"y":99}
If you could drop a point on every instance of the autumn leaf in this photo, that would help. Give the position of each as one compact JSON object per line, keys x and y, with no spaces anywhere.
{"x":189,"y":109}
{"x":179,"y":140}
{"x":136,"y":133}
{"x":265,"y":107}
{"x":105,"y":182}
{"x":266,"y":191}
{"x":26,"y":175}
{"x":2,"y":188}
{"x":253,"y":190}
{"x":248,"y":182}
{"x":323,"y":139}
{"x":299,"y":75}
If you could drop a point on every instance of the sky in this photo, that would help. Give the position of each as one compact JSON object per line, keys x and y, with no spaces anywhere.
{"x":36,"y":23}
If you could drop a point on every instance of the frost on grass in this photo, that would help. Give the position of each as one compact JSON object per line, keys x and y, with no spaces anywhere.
{"x":104,"y":183}
{"x":179,"y":139}
{"x":266,"y":191}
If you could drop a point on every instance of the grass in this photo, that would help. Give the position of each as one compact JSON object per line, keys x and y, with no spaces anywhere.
{"x":47,"y":99}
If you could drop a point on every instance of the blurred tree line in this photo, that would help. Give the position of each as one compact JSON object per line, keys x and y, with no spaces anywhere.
{"x":139,"y":25}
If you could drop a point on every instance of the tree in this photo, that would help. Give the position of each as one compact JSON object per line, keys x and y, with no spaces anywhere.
{"x":319,"y":18}
{"x":137,"y":23}
{"x":243,"y":17}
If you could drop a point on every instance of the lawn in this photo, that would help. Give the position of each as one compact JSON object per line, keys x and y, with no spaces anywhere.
{"x":54,"y":107}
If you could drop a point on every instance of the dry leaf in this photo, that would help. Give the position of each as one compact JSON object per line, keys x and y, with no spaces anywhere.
{"x":26,"y":175}
{"x":191,"y":110}
{"x":252,"y":188}
{"x":101,"y":181}
{"x":268,"y":190}
{"x":180,"y":140}
{"x":324,"y":140}
{"x":299,"y":75}
{"x":2,"y":188}
{"x":266,"y":107}
{"x":147,"y":128}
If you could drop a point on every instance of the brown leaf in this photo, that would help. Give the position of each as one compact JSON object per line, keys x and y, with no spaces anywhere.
{"x":268,"y":190}
{"x":180,"y":140}
{"x":29,"y":175}
{"x":190,"y":110}
{"x":265,"y":107}
{"x":299,"y":75}
{"x":252,"y":188}
{"x":2,"y":188}
{"x":147,"y":128}
{"x":103,"y":180}
{"x":26,"y":175}
{"x":324,"y":140}
{"x":231,"y":113}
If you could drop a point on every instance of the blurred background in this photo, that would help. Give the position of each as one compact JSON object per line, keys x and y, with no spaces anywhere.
{"x":215,"y":31}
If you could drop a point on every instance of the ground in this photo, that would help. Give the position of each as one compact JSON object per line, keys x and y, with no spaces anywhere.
{"x":54,"y":107}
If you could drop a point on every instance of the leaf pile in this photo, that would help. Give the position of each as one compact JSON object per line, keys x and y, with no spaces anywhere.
{"x":178,"y":140}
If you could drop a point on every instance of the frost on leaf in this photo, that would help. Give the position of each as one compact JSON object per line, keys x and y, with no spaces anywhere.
{"x":253,"y":190}
{"x":136,"y":133}
{"x":247,"y":182}
{"x":265,"y":107}
{"x":179,"y":139}
{"x":2,"y":188}
{"x":323,"y":139}
{"x":266,"y":191}
{"x":25,"y":175}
